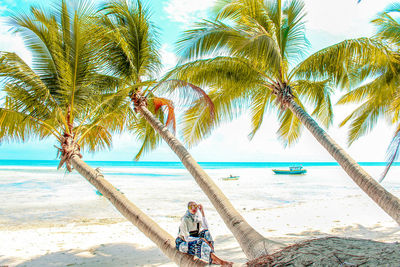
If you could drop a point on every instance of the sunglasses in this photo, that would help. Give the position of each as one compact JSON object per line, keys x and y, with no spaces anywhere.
{"x":193,"y":207}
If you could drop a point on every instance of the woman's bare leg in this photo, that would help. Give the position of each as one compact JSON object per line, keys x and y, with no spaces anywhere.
{"x":219,"y":261}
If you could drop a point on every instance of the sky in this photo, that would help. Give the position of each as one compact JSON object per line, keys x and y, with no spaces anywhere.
{"x":328,"y":22}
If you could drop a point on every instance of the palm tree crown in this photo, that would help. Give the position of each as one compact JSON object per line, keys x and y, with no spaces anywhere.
{"x":252,"y":45}
{"x":132,"y":49}
{"x":66,"y":94}
{"x":379,"y":97}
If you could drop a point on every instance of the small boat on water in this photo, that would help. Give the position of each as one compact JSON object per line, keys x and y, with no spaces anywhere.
{"x":231,"y":177}
{"x":292,"y":170}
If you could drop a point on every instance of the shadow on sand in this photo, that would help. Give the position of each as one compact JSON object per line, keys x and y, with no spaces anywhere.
{"x":121,"y":254}
{"x":355,"y":231}
{"x":227,"y":248}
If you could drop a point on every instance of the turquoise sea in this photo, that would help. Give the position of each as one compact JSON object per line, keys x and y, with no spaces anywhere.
{"x":36,"y":193}
{"x":179,"y":165}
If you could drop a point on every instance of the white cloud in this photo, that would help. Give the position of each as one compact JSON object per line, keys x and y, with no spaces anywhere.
{"x":11,"y":42}
{"x":188,"y":11}
{"x":340,"y":17}
{"x":343,"y":17}
{"x":168,"y":57}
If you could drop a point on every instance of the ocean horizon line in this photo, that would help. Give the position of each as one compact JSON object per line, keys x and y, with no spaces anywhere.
{"x":178,"y":164}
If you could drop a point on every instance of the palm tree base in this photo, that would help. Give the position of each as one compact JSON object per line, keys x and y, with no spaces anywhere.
{"x":334,"y":251}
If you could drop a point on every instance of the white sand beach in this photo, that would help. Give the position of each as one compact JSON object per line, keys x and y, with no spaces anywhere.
{"x":66,"y":224}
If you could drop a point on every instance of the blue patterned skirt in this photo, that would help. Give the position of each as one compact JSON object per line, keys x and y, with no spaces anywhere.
{"x":201,"y":246}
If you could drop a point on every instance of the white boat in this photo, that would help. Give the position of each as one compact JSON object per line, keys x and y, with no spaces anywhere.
{"x":292,"y":170}
{"x":231,"y":177}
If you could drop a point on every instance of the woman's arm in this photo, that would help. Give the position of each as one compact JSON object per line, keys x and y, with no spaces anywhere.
{"x":203,"y":219}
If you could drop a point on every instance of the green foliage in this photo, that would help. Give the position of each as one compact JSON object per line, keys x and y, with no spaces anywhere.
{"x":131,"y":51}
{"x":388,"y":27}
{"x":378,"y":62}
{"x":318,"y":93}
{"x":242,"y":57}
{"x":144,"y":132}
{"x":377,"y":100}
{"x":131,"y":46}
{"x":67,"y":89}
{"x":346,"y":63}
{"x":370,"y":68}
{"x":131,"y":40}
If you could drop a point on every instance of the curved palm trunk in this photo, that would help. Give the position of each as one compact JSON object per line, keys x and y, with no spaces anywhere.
{"x":252,"y":243}
{"x":388,"y":202}
{"x":144,"y":223}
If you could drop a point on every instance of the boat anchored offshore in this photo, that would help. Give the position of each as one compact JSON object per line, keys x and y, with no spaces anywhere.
{"x":292,"y":170}
{"x":231,"y":177}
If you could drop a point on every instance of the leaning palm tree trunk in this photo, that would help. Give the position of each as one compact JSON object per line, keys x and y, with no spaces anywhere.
{"x":252,"y":243}
{"x":143,"y":222}
{"x":388,"y":202}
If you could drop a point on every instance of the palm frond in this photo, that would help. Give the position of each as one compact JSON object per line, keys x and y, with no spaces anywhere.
{"x":252,"y":36}
{"x":247,"y":15}
{"x":338,"y":61}
{"x":232,"y":79}
{"x":197,"y":123}
{"x":316,"y":94}
{"x":145,"y":134}
{"x":261,"y":100}
{"x":274,"y":11}
{"x":260,"y":49}
{"x":205,"y":39}
{"x":234,"y":10}
{"x":187,"y":92}
{"x":293,"y":42}
{"x":363,"y":119}
{"x":232,"y":74}
{"x":159,"y":103}
{"x":16,"y":126}
{"x":387,"y":26}
{"x":25,"y":86}
{"x":68,"y":82}
{"x":392,"y":153}
{"x":290,"y":129}
{"x":111,"y":112}
{"x":96,"y":138}
{"x":132,"y":40}
{"x":382,"y":87}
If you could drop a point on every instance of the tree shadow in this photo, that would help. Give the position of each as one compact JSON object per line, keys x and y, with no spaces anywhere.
{"x":375,"y":232}
{"x":355,"y":231}
{"x":227,"y":248}
{"x":120,"y":254}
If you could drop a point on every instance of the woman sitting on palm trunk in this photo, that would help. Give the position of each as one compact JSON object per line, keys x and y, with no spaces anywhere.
{"x":194,"y":237}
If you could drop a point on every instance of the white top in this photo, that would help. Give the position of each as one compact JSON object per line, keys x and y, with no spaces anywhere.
{"x":189,"y":223}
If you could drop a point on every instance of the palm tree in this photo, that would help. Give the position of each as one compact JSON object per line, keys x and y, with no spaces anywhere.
{"x":132,"y":51}
{"x":379,"y":97}
{"x":67,"y":96}
{"x":245,"y":58}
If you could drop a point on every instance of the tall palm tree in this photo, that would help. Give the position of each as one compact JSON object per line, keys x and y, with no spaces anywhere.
{"x":380,"y":96}
{"x":132,"y":51}
{"x":247,"y":57}
{"x":67,"y":96}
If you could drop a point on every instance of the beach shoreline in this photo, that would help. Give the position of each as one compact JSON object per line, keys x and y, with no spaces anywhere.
{"x":62,"y":222}
{"x":116,"y":242}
